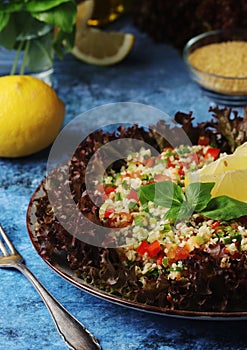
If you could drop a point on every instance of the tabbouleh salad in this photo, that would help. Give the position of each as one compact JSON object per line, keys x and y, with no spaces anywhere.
{"x":180,"y":256}
{"x":149,"y":237}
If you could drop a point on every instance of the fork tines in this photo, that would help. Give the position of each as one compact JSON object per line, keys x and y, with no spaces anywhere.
{"x":7,"y":242}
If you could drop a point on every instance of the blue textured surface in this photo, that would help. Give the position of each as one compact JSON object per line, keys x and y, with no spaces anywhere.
{"x":153,"y":74}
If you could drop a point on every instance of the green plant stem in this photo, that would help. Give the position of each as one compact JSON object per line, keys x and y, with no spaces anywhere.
{"x":25,"y":57}
{"x":17,"y":55}
{"x":45,"y":52}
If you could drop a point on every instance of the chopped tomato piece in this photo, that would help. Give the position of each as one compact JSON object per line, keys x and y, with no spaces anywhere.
{"x":177,"y":253}
{"x":100,"y":188}
{"x":133,"y":195}
{"x":181,"y":253}
{"x":160,"y":257}
{"x":148,"y":162}
{"x":171,"y":250}
{"x":160,"y":177}
{"x":194,"y":158}
{"x":142,"y":247}
{"x":153,"y":249}
{"x":212,"y":152}
{"x":150,"y":182}
{"x":203,"y":141}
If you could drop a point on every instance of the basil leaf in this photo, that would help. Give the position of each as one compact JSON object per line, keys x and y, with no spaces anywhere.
{"x":62,"y":16}
{"x":198,"y":194}
{"x":146,"y":193}
{"x":225,"y":208}
{"x":173,"y":212}
{"x":167,"y":193}
{"x":182,"y":211}
{"x":41,"y":6}
{"x":164,"y":193}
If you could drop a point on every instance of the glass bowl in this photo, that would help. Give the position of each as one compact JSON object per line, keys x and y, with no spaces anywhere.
{"x":228,"y":88}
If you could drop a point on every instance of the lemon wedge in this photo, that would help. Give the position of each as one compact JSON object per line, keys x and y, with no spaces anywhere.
{"x":84,"y":12}
{"x":96,"y":46}
{"x":229,"y":173}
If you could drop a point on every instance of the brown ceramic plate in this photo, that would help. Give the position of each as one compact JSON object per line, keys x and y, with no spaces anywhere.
{"x":61,"y":267}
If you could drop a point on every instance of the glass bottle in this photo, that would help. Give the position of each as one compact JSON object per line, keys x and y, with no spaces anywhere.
{"x":106,"y":11}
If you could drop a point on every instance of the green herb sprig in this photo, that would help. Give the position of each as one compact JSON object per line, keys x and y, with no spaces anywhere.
{"x":196,"y":199}
{"x":25,"y":26}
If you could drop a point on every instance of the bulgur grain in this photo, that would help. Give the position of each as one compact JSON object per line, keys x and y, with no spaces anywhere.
{"x":226,"y":60}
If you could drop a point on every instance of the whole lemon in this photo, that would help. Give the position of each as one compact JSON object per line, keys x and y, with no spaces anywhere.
{"x":31,"y":115}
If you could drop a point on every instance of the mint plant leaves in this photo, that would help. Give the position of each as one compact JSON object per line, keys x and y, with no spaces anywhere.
{"x":23,"y":23}
{"x":196,"y":198}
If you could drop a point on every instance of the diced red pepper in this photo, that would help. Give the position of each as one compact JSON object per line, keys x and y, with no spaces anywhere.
{"x":109,"y":189}
{"x":133,"y":195}
{"x":203,"y":141}
{"x":181,"y":171}
{"x":170,"y":163}
{"x":108,"y":212}
{"x":154,"y":248}
{"x":215,"y":224}
{"x":168,"y":148}
{"x":142,"y":249}
{"x":212,"y":153}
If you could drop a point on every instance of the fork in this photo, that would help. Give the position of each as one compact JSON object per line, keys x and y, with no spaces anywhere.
{"x":75,"y":335}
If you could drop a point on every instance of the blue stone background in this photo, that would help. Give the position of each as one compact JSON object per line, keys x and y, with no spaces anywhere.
{"x":152,"y":74}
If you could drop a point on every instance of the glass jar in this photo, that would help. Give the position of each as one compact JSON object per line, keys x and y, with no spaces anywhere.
{"x":30,"y":52}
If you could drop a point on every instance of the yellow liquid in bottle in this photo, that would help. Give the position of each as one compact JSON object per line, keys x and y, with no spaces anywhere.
{"x":106,"y":11}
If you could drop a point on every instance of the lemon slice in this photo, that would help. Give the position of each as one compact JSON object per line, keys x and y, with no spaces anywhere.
{"x":229,"y":173}
{"x":241,"y":150}
{"x":102,"y":48}
{"x":225,"y":163}
{"x":232,"y":183}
